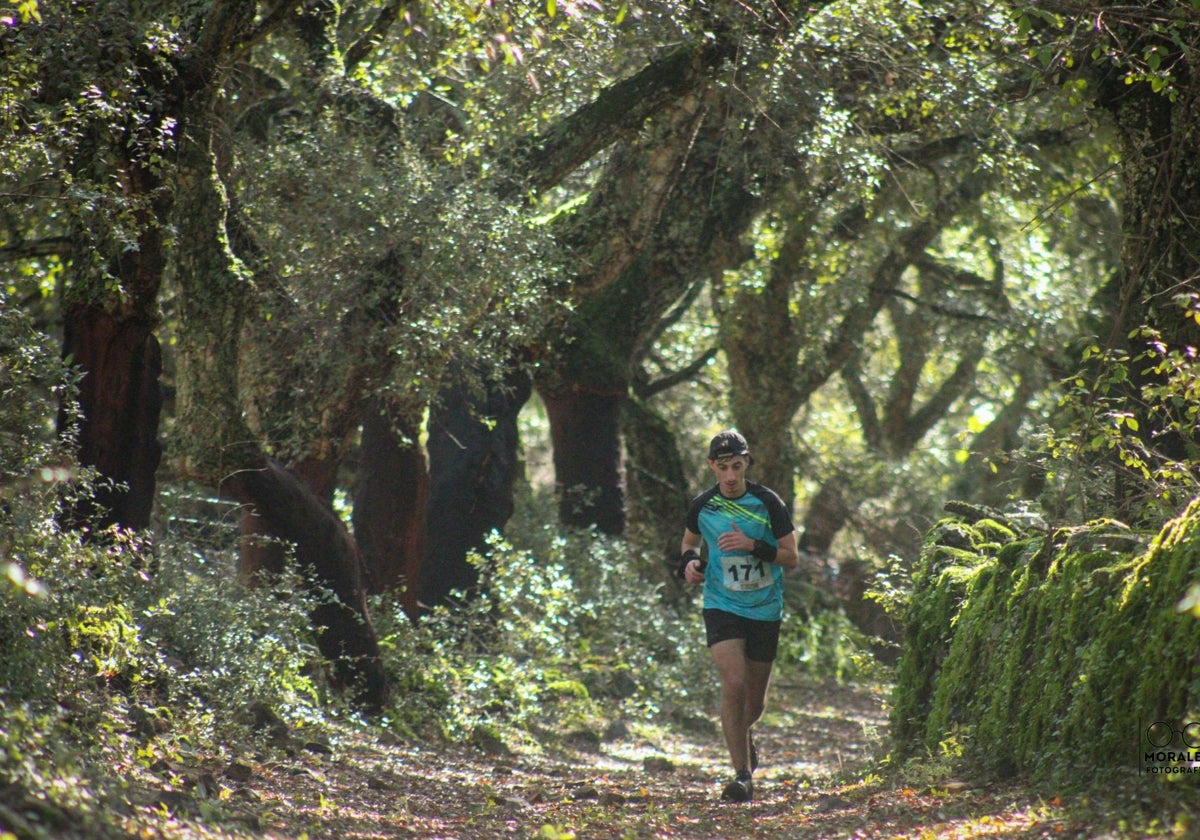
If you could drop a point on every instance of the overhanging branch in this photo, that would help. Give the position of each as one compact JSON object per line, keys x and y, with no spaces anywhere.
{"x":649,"y":389}
{"x":374,"y":35}
{"x":543,"y":160}
{"x":946,"y":311}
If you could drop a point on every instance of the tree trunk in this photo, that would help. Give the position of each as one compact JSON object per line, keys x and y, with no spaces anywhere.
{"x":390,"y":502}
{"x":585,"y":430}
{"x":991,"y":474}
{"x":849,"y":579}
{"x":215,"y":445}
{"x":472,"y":449}
{"x":120,"y":401}
{"x":261,"y":551}
{"x":893,"y":429}
{"x":262,"y":554}
{"x":285,"y":509}
{"x":319,"y":475}
{"x":827,"y":514}
{"x":109,"y":337}
{"x":1160,"y":260}
{"x":642,"y":271}
{"x":760,"y":346}
{"x":658,"y":487}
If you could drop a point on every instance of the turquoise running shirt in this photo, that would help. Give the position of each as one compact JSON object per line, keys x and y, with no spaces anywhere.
{"x":741,"y":583}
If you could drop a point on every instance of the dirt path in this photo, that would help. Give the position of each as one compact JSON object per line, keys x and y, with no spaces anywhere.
{"x":817,"y":744}
{"x":632,"y":787}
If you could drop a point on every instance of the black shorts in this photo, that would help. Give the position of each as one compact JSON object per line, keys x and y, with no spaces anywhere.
{"x":762,"y":637}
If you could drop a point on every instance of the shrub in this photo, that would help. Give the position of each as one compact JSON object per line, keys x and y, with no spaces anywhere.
{"x":569,"y":638}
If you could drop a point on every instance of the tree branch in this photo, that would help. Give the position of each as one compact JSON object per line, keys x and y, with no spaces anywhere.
{"x":671,"y":318}
{"x":853,"y":220}
{"x":845,"y":338}
{"x":267,"y":24}
{"x":939,"y":404}
{"x":913,"y":343}
{"x":361,"y":48}
{"x":945,"y":311}
{"x":540,"y":161}
{"x":51,"y":246}
{"x":649,"y":389}
{"x":864,"y":404}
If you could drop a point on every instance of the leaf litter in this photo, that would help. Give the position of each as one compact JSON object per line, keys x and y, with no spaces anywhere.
{"x":823,"y":774}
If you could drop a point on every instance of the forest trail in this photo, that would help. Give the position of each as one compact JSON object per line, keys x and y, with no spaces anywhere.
{"x":818,"y":744}
{"x":627,"y":787}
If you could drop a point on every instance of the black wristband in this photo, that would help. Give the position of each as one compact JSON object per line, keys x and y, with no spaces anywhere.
{"x":763,"y":550}
{"x":685,"y":558}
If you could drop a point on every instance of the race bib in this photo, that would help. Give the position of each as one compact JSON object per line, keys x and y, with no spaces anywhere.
{"x":745,"y":573}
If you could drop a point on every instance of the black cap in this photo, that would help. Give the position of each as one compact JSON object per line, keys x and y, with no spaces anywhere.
{"x":727,"y":443}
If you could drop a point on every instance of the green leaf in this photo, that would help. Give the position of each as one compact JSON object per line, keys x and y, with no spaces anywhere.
{"x":28,"y":10}
{"x":1190,"y":601}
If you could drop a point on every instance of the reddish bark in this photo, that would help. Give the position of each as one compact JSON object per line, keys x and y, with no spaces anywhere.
{"x":109,"y":338}
{"x":260,"y":550}
{"x":389,"y":506}
{"x":827,"y":514}
{"x":120,"y":401}
{"x":319,"y":475}
{"x":261,"y":554}
{"x":586,"y":434}
{"x":658,"y":491}
{"x":285,"y":509}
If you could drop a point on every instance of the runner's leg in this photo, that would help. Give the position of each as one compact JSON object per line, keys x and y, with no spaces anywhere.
{"x":758,"y":679}
{"x":729,"y":657}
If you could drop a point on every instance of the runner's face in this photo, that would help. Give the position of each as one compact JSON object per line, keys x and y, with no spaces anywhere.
{"x":731,"y":474}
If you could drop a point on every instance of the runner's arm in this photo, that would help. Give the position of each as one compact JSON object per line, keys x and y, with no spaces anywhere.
{"x":787,"y":554}
{"x":691,"y":565}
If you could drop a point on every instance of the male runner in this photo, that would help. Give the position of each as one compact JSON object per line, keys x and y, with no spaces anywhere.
{"x":750,"y":538}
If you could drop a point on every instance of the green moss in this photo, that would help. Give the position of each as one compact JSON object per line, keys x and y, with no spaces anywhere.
{"x":1046,"y":655}
{"x":995,"y":532}
{"x":940,"y":585}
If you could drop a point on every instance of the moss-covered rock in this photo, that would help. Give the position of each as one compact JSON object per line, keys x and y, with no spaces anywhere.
{"x":1048,"y":654}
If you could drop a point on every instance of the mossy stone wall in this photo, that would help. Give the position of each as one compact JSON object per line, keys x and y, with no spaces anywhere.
{"x":1048,"y":654}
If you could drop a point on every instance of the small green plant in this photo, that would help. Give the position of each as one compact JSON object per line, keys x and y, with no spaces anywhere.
{"x":116,"y":650}
{"x":1105,"y":456}
{"x":823,"y":645}
{"x":555,"y":832}
{"x":566,"y":639}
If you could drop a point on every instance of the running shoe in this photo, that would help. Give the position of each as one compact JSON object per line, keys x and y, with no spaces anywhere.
{"x":741,"y":789}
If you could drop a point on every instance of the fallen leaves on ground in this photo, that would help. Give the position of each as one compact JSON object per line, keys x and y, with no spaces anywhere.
{"x":819,"y":746}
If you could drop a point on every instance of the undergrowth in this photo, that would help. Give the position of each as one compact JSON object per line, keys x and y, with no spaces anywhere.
{"x":569,"y":642}
{"x":119,"y":653}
